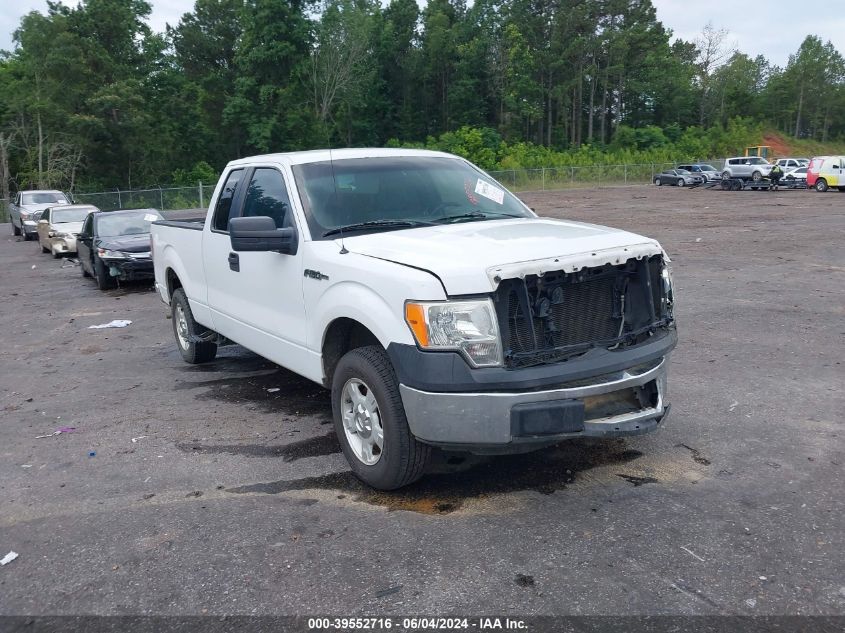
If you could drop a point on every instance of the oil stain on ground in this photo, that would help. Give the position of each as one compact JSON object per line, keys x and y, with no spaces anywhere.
{"x":267,"y":387}
{"x":544,"y":471}
{"x":311,"y":447}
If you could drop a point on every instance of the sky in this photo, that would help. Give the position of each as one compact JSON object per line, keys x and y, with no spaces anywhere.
{"x":773,"y":28}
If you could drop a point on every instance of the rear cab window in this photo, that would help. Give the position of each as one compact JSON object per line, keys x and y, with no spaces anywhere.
{"x":223,"y":209}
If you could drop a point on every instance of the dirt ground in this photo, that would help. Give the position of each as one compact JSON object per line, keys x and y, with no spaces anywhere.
{"x":197,"y":489}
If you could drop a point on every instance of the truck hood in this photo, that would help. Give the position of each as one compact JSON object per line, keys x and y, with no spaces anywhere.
{"x":473,"y":257}
{"x":34,"y":208}
{"x":66,"y":227}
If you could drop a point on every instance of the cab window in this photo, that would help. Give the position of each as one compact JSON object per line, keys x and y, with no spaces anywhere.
{"x":267,"y":195}
{"x":223,"y":209}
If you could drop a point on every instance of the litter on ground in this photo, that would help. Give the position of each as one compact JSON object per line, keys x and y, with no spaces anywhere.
{"x":59,"y":431}
{"x":8,"y":558}
{"x":115,"y":323}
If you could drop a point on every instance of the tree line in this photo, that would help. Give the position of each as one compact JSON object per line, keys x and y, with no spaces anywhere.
{"x":93,"y":98}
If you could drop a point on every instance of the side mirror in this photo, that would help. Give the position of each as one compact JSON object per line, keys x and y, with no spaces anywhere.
{"x":260,"y":234}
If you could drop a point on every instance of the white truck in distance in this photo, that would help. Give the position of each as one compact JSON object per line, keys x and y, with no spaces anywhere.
{"x":437,"y":307}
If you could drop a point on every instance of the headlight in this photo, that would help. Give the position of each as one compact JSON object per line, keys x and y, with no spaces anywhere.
{"x":104,"y":253}
{"x":466,"y":326}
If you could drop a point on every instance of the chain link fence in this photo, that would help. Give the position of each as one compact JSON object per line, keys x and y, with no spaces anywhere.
{"x":552,"y":178}
{"x":519,"y":180}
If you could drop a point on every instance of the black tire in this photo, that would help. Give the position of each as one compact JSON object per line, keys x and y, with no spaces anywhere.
{"x":101,"y":274}
{"x":681,"y":182}
{"x":56,"y":254}
{"x":821,"y":185}
{"x":841,"y":189}
{"x":403,"y":459}
{"x":737,"y":185}
{"x":25,"y":235}
{"x":726,"y":185}
{"x":43,"y":249}
{"x":15,"y":230}
{"x":726,"y":175}
{"x":658,"y":182}
{"x":193,"y":351}
{"x":757,"y":176}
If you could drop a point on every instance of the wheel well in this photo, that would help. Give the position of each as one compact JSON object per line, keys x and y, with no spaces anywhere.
{"x":173,"y":282}
{"x":342,"y":336}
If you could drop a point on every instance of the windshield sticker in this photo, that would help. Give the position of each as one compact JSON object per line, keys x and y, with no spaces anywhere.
{"x":149,"y":217}
{"x":490,"y":192}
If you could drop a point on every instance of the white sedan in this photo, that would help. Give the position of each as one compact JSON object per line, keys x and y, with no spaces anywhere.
{"x":59,"y":225}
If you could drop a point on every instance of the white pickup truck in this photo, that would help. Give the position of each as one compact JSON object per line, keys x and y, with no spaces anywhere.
{"x":436,"y":306}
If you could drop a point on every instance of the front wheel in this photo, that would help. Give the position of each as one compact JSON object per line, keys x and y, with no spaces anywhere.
{"x":681,"y":182}
{"x":190,"y":334}
{"x":104,"y":280}
{"x":821,"y":185}
{"x":370,"y":421}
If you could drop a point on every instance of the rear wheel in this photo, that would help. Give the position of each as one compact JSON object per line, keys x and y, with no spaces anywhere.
{"x":190,"y":334}
{"x":841,"y":189}
{"x":821,"y":185}
{"x":370,"y":421}
{"x":658,"y":182}
{"x":101,"y":274}
{"x":726,"y":175}
{"x":757,"y":176}
{"x":737,"y":185}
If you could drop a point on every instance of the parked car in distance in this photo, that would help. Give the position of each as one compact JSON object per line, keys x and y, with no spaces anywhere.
{"x":795,"y":178}
{"x":26,"y":208}
{"x":747,"y":167}
{"x":703,"y":169}
{"x":59,"y":225}
{"x":788,"y":164}
{"x":825,"y":172}
{"x":115,"y":245}
{"x":436,"y":306}
{"x":678,"y":177}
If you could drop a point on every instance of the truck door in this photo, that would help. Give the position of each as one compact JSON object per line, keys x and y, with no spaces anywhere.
{"x":256,"y":297}
{"x":838,"y":172}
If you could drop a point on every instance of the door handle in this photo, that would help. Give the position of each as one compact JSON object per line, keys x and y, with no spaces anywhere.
{"x":234,"y":262}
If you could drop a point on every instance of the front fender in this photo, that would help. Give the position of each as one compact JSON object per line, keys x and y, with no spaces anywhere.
{"x":354,"y":300}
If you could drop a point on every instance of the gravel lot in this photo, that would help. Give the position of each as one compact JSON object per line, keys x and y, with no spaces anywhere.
{"x":210,"y":493}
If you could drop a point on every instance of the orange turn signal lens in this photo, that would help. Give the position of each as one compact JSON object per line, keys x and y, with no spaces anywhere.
{"x":415,"y":318}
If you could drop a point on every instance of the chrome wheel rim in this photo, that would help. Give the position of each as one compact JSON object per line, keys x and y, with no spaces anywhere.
{"x":181,"y":327}
{"x":362,"y":421}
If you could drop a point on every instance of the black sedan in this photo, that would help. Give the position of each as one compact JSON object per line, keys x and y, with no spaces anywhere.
{"x":115,"y":245}
{"x":679,"y":177}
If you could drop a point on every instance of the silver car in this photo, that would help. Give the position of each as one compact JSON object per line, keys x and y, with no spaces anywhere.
{"x":678,"y":177}
{"x":26,"y":209}
{"x":747,"y":167}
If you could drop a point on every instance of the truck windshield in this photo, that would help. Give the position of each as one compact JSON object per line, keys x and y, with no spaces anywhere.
{"x":389,"y":193}
{"x":43,"y":198}
{"x":135,"y":223}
